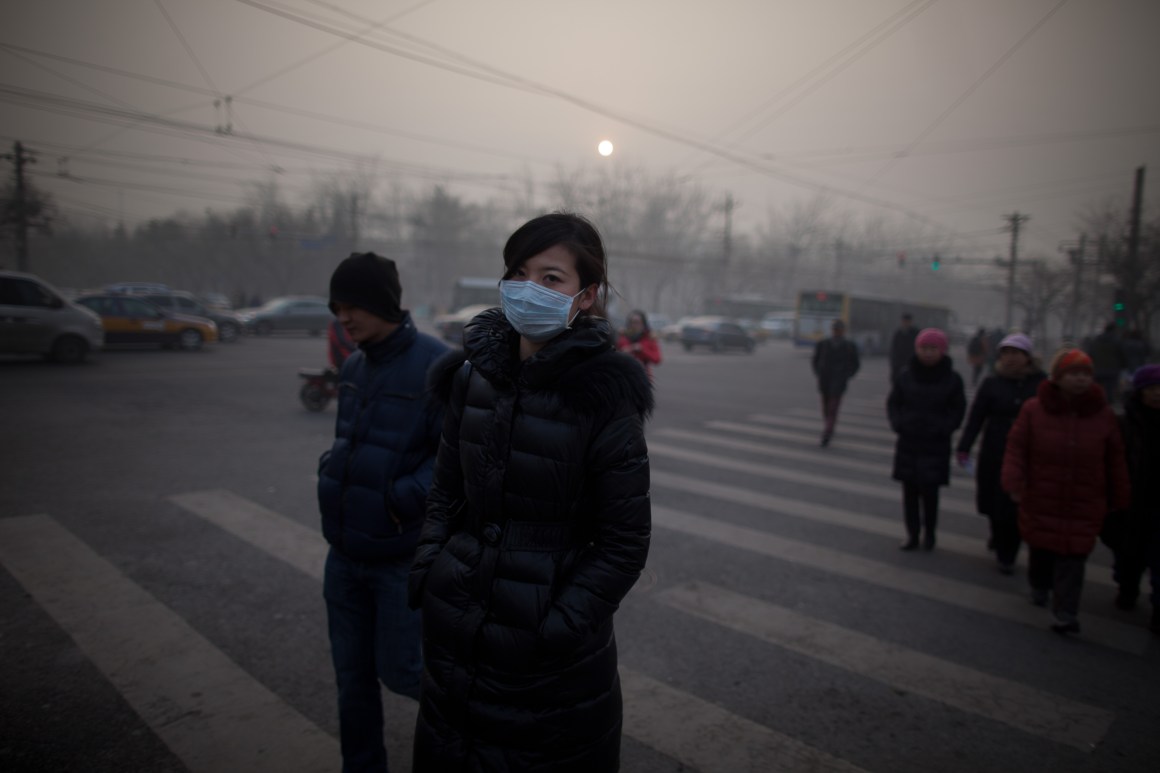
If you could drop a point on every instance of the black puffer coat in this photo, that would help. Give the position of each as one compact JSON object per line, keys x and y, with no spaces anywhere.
{"x":926,"y":406}
{"x":996,"y":405}
{"x":538,"y":524}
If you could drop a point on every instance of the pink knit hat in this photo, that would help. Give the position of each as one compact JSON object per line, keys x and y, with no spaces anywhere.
{"x":931,"y":336}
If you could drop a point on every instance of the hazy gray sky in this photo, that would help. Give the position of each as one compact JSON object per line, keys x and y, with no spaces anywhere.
{"x":956,"y":110}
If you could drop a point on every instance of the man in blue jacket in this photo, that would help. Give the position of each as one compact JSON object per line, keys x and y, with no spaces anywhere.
{"x":372,"y":491}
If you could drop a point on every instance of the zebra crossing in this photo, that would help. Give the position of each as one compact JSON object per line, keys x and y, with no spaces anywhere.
{"x":188,"y":691}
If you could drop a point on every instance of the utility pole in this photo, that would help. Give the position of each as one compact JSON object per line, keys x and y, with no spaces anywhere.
{"x":1015,"y":219}
{"x":18,"y":208}
{"x":1077,"y":256}
{"x":1134,"y":269}
{"x":727,"y":247}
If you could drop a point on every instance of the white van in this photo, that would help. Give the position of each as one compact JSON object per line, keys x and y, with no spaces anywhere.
{"x":35,"y":318}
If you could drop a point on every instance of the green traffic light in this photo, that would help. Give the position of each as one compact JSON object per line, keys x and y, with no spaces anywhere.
{"x":1119,"y":307}
{"x":934,"y":265}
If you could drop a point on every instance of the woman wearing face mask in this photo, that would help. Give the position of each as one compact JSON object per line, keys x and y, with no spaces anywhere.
{"x":1064,"y":465}
{"x":538,"y":521}
{"x":925,"y":407}
{"x":638,"y":341}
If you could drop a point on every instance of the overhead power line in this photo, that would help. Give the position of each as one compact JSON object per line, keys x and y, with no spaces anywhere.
{"x":517,"y":82}
{"x":969,"y":91}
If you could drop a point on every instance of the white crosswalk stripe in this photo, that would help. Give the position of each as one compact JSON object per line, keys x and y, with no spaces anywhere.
{"x":943,"y":590}
{"x":781,"y":451}
{"x":884,"y":435}
{"x":1039,"y":713}
{"x":799,"y":508}
{"x":208,"y":711}
{"x":258,"y":731}
{"x":724,"y":740}
{"x":861,"y":418}
{"x":800,"y":437}
{"x":891,"y":493}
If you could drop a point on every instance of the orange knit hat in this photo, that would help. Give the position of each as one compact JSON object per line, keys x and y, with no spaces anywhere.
{"x":1070,"y":359}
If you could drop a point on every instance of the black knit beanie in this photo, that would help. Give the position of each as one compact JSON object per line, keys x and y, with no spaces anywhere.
{"x":370,"y":282}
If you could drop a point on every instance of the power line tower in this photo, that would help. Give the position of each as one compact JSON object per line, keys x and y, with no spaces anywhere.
{"x":17,"y":214}
{"x":1015,"y":220}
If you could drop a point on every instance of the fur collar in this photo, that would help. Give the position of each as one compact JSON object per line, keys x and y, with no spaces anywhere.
{"x":1054,"y":401}
{"x":580,"y":365}
{"x":1016,"y":374}
{"x":930,"y":373}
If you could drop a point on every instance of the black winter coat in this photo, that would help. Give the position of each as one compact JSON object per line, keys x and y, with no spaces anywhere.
{"x":835,"y":362}
{"x":1140,"y":426}
{"x":538,"y":524}
{"x":996,"y":405}
{"x":925,"y":407}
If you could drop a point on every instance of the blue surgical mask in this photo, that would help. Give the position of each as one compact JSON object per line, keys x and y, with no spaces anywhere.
{"x":536,"y":312}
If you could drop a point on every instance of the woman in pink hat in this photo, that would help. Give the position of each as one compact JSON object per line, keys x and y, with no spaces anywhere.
{"x":926,"y":406}
{"x":997,"y":403}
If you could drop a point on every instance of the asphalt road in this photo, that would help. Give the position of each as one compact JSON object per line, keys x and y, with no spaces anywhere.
{"x":162,"y":612}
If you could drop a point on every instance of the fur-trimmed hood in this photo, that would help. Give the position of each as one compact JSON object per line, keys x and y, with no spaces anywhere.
{"x":581,"y":364}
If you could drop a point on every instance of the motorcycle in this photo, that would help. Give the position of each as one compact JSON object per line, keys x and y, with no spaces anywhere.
{"x":320,"y":387}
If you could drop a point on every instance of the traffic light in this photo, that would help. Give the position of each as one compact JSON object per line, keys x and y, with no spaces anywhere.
{"x":935,"y":263}
{"x":1119,"y":309}
{"x":902,"y":260}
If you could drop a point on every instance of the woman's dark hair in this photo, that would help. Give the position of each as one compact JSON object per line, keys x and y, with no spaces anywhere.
{"x":570,"y":231}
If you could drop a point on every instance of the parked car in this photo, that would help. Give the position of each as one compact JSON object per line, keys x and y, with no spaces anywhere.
{"x":136,"y":288}
{"x":672,"y":331}
{"x":229,"y":323}
{"x":35,"y":318}
{"x":292,"y":312}
{"x":716,"y":334}
{"x":450,"y":326}
{"x":217,"y":301}
{"x":128,"y":319}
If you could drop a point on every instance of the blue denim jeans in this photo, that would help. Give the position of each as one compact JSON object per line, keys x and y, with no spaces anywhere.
{"x":373,"y":636}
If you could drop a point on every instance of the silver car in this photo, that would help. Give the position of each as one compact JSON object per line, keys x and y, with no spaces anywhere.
{"x":35,"y":318}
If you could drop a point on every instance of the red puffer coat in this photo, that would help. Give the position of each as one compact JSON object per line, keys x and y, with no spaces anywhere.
{"x":1065,"y":464}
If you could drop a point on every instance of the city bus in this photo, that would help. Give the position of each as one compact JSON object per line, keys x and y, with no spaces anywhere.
{"x":870,"y":322}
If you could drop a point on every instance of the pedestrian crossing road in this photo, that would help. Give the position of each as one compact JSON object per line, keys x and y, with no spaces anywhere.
{"x":773,"y":560}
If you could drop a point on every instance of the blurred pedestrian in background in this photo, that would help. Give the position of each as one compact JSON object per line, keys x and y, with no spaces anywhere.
{"x":638,"y":341}
{"x":902,"y":345}
{"x":835,"y":362}
{"x":977,"y":351}
{"x":996,"y":404}
{"x":925,"y":407}
{"x":1108,"y":360}
{"x":538,"y":521}
{"x":1065,"y":467}
{"x":1137,"y":541}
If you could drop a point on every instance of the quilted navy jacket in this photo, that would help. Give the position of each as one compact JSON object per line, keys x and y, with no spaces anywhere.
{"x":373,"y":482}
{"x":538,"y":524}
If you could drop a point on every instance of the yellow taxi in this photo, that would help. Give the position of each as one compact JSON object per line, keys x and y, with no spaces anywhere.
{"x":130,"y":320}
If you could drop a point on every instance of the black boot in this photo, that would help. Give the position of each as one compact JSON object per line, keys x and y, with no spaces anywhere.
{"x":912,"y":526}
{"x":931,"y":522}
